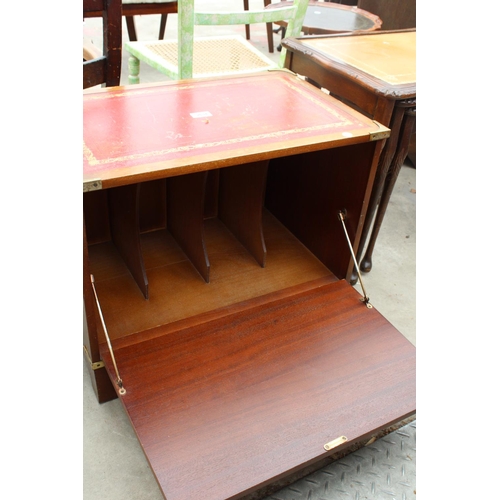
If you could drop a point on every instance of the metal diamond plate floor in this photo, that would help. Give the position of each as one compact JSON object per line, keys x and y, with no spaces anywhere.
{"x":383,"y":470}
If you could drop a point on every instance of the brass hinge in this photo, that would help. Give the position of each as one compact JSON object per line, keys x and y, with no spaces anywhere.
{"x":94,"y":365}
{"x":94,"y":185}
{"x":336,"y":442}
{"x":383,"y":133}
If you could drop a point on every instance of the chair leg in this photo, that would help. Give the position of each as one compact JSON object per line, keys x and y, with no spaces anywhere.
{"x":269,"y":28}
{"x":163,"y":25}
{"x":281,"y":30}
{"x":270,"y":41}
{"x":132,"y":35}
{"x":134,"y":67}
{"x":247,"y":26}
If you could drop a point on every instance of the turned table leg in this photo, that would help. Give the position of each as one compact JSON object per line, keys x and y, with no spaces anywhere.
{"x":390,"y":181}
{"x":385,"y":162}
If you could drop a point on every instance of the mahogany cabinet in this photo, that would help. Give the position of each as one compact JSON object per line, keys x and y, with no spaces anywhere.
{"x":215,"y":258}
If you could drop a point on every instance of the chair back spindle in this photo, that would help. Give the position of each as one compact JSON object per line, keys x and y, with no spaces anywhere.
{"x":105,"y":69}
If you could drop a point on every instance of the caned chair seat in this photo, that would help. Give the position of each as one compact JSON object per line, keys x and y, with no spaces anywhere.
{"x":212,"y":56}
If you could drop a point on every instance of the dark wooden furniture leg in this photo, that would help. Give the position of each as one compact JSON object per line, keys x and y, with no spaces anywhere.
{"x":247,"y":26}
{"x":269,"y":27}
{"x":409,"y":112}
{"x":163,"y":25}
{"x":132,"y":35}
{"x":386,"y":159}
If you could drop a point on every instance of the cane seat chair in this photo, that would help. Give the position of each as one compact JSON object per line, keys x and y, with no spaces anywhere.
{"x":196,"y":57}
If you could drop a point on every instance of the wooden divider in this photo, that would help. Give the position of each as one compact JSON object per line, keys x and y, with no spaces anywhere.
{"x":153,"y":205}
{"x":124,"y":221}
{"x":241,"y":200}
{"x":185,"y":208}
{"x":234,"y":194}
{"x":212,"y":194}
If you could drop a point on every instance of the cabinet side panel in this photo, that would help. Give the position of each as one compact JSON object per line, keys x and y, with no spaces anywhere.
{"x":100,"y":381}
{"x":96,"y":212}
{"x":306,"y":192}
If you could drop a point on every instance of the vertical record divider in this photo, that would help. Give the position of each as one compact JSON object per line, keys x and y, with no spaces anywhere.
{"x":241,"y":201}
{"x":212,"y":194}
{"x":185,"y":216}
{"x":124,"y":218}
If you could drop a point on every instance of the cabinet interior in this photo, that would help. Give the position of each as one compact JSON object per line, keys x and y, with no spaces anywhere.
{"x":165,"y":250}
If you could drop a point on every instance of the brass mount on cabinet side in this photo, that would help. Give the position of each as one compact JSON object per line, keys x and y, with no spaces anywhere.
{"x":95,"y":365}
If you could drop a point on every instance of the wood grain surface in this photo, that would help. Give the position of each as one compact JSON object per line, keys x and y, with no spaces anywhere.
{"x":176,"y":289}
{"x":236,"y":374}
{"x":228,"y":405}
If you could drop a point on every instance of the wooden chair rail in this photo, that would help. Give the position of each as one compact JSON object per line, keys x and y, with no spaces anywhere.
{"x":130,"y":10}
{"x":93,"y":72}
{"x":93,"y":6}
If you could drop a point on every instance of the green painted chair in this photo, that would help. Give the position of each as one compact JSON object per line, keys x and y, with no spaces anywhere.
{"x":190,"y":57}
